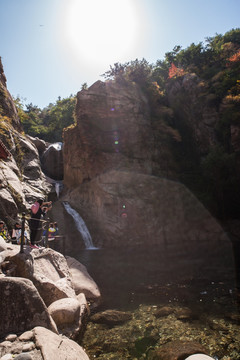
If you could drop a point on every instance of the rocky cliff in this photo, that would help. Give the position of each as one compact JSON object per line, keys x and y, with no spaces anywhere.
{"x":113,"y":132}
{"x":7,"y":106}
{"x":110,"y":159}
{"x":21,"y":177}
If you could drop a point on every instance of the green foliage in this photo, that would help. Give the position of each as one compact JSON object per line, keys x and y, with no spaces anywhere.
{"x":47,"y":124}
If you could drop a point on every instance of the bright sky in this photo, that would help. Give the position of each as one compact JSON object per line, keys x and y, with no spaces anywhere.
{"x":49,"y":48}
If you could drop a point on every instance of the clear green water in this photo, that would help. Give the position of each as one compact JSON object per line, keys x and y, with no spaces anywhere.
{"x":142,"y":281}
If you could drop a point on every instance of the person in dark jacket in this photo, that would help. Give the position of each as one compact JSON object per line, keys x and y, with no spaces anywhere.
{"x":38,"y":209}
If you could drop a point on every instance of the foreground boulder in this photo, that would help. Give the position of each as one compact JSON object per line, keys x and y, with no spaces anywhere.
{"x":22,"y":308}
{"x":40,"y":344}
{"x":48,"y":270}
{"x":123,"y":208}
{"x":54,"y":347}
{"x":82,"y":281}
{"x":70,"y":316}
{"x":175,"y":350}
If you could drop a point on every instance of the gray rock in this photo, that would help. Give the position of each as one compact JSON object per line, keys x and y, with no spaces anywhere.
{"x":55,"y":347}
{"x":82,"y":281}
{"x":24,"y":356}
{"x":26,"y":311}
{"x":65,"y":311}
{"x":11,"y":337}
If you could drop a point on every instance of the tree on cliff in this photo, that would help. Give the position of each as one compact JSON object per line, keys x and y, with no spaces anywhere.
{"x":48,"y":123}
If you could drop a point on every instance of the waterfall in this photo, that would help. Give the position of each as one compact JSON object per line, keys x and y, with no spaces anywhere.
{"x":81,"y":226}
{"x":57,"y":188}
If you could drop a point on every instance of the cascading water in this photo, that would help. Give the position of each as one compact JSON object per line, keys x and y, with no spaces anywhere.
{"x":81,"y":226}
{"x":57,"y":188}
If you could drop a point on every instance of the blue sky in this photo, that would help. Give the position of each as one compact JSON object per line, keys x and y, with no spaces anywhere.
{"x":49,"y":48}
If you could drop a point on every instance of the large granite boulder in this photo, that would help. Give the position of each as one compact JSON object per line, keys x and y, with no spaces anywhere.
{"x":54,"y":347}
{"x":48,"y":270}
{"x":40,"y":343}
{"x":70,"y":315}
{"x":82,"y":281}
{"x":124,"y":208}
{"x":175,"y":350}
{"x":52,"y":161}
{"x":22,"y":308}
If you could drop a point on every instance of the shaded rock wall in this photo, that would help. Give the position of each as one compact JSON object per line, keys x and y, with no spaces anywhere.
{"x":128,"y":209}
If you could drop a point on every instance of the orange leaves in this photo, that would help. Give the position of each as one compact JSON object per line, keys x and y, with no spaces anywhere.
{"x":234,"y":58}
{"x":174,"y":71}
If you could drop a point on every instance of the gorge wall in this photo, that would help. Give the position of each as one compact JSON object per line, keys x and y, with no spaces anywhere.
{"x":109,"y":167}
{"x":21,"y":177}
{"x":113,"y":131}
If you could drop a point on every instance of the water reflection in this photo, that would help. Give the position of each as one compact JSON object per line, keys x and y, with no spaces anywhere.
{"x":133,"y":276}
{"x":170,"y":297}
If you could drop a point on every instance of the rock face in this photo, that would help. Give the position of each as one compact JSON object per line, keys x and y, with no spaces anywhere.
{"x":175,"y":350}
{"x":52,"y":161}
{"x":127,"y":209}
{"x":8,"y":108}
{"x":82,"y":281}
{"x":32,"y":311}
{"x":113,"y":131}
{"x":40,"y":344}
{"x":108,"y":166}
{"x":187,"y":96}
{"x":42,"y":280}
{"x":21,"y":177}
{"x":55,"y":348}
{"x":49,"y":272}
{"x":22,"y":181}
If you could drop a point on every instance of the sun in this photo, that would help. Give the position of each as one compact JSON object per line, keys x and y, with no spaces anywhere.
{"x":102,"y":31}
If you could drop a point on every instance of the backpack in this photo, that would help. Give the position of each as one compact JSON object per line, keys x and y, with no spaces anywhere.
{"x":35,"y":207}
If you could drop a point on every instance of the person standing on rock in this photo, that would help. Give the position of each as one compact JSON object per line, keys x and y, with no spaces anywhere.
{"x":38,"y":209}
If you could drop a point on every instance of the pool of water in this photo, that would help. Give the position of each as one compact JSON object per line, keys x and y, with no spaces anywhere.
{"x":132,"y":276}
{"x":143,"y":280}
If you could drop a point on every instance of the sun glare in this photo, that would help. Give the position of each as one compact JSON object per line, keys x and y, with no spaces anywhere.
{"x":102,"y":31}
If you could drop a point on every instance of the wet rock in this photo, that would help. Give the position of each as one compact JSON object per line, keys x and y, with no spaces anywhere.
{"x":111,"y":317}
{"x":218,"y":324}
{"x":184,"y":314}
{"x":164,"y":311}
{"x":176,"y":350}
